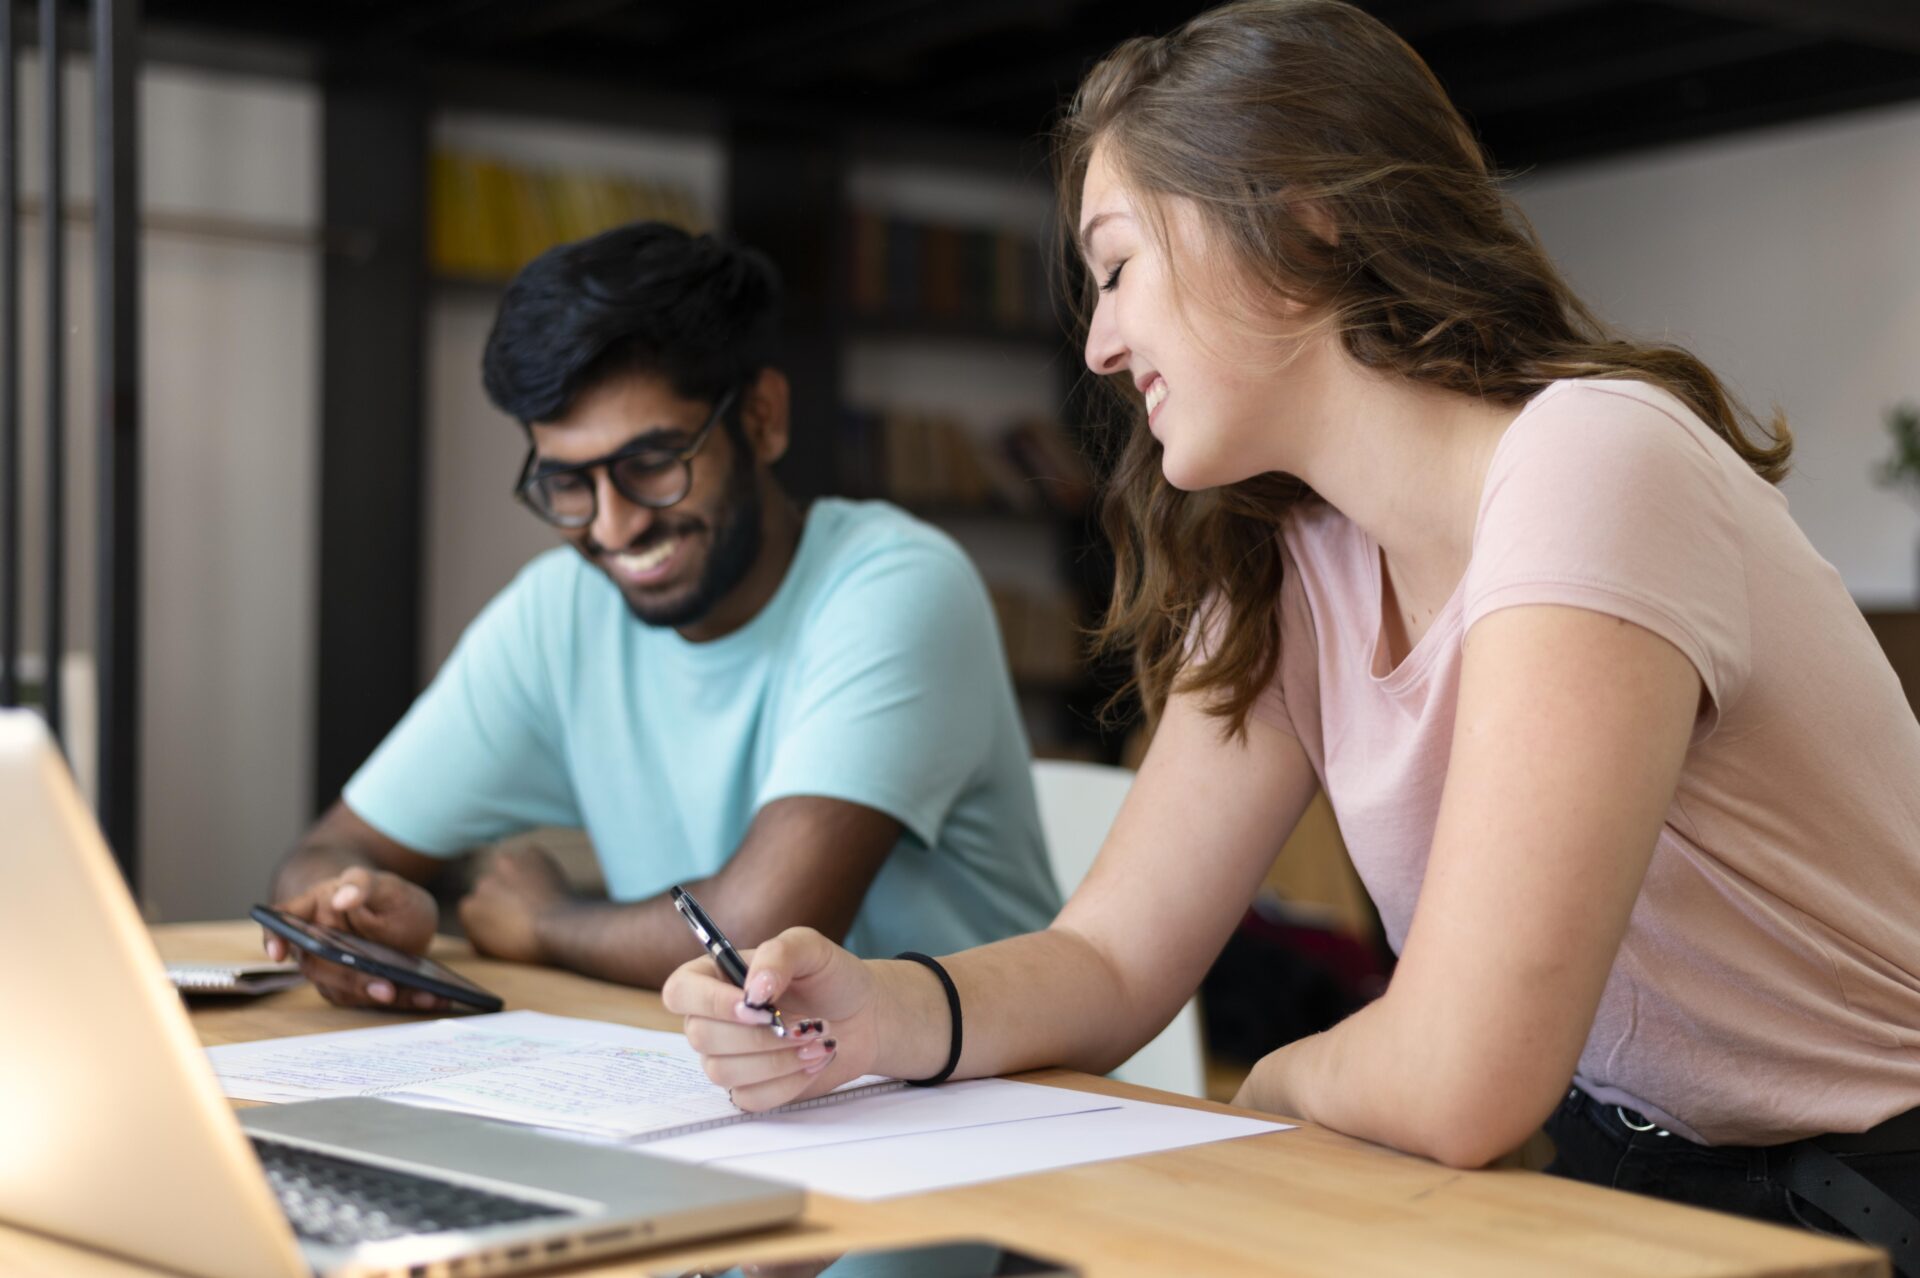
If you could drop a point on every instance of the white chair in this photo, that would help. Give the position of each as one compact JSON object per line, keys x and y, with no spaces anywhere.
{"x":1078,"y":802}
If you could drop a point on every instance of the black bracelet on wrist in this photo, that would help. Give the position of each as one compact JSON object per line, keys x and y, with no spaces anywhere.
{"x":953,"y":1009}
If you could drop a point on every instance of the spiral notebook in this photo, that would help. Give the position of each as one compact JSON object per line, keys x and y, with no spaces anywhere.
{"x":592,"y":1078}
{"x":233,"y":978}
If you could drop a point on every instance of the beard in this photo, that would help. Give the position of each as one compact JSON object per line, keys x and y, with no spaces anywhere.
{"x":730,"y":556}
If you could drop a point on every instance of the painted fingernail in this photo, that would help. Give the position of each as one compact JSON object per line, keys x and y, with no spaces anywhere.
{"x":807,"y":1027}
{"x":346,"y":896}
{"x":831,"y":1044}
{"x":814,"y":1052}
{"x":380,"y":992}
{"x":760,"y":990}
{"x":745,"y":1011}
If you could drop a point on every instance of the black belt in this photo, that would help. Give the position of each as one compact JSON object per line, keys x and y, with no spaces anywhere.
{"x":1863,"y":1209}
{"x":1813,"y":1172}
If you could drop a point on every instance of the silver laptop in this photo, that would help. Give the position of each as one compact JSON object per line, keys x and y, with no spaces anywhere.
{"x":114,"y":1133}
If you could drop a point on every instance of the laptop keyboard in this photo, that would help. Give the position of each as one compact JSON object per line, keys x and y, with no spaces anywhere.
{"x":333,"y":1200}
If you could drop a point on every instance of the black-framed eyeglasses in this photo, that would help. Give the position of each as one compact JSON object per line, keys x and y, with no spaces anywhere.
{"x":645,"y":474}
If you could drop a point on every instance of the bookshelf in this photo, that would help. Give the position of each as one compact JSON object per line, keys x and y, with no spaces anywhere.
{"x":955,"y":374}
{"x":939,"y":274}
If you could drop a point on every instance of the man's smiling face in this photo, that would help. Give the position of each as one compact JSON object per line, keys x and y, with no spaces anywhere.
{"x":672,"y":565}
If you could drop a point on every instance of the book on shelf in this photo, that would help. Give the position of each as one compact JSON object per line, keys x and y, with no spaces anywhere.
{"x":941,"y":285}
{"x":488,"y":217}
{"x":867,"y":255}
{"x":927,"y":459}
{"x":530,"y":226}
{"x":1010,"y":288}
{"x":455,"y":243}
{"x":901,"y":262}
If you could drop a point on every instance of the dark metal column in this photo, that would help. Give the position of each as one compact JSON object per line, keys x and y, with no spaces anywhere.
{"x":116,"y":149}
{"x":372,"y":412}
{"x":53,"y":228}
{"x":786,"y":197}
{"x":9,"y":363}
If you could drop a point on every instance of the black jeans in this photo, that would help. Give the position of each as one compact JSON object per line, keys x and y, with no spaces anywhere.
{"x":1599,"y":1144}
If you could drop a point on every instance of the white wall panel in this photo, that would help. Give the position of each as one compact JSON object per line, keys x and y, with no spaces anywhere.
{"x":1789,"y":260}
{"x":229,"y":418}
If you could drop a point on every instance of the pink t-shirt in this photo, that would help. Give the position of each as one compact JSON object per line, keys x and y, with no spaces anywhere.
{"x":1769,"y":984}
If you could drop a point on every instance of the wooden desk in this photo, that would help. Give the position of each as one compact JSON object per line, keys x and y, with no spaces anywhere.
{"x":1304,"y":1202}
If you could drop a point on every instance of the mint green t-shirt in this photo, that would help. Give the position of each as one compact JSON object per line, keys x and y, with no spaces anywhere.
{"x":875,"y":675}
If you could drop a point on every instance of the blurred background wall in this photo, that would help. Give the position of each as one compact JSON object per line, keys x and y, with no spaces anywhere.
{"x":230,"y":373}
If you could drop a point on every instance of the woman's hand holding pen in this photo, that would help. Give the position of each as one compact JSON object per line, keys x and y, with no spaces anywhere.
{"x":828,"y":998}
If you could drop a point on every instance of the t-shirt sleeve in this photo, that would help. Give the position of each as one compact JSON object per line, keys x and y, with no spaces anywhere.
{"x":478,"y":756}
{"x":899,"y":680}
{"x":1603,"y":500}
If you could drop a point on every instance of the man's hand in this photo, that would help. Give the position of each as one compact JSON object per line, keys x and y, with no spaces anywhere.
{"x":372,"y":903}
{"x":520,"y":890}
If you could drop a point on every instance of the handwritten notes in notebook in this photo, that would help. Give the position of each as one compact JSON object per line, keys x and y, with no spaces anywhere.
{"x":590,"y":1077}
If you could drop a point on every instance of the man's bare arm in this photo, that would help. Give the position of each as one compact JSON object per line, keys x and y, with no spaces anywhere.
{"x":805,"y":861}
{"x":339,"y":840}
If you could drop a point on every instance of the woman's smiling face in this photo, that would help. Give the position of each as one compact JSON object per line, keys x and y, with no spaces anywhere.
{"x":1217,"y":392}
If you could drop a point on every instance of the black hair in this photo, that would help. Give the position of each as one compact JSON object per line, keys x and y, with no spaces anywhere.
{"x":700,"y":311}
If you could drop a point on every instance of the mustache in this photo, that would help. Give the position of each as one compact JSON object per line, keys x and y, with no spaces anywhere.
{"x":645,"y":542}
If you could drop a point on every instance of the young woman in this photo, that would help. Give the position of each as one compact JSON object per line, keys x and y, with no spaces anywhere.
{"x":1634,"y":790}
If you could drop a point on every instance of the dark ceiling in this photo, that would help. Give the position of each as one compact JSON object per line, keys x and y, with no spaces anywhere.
{"x":1543,"y":80}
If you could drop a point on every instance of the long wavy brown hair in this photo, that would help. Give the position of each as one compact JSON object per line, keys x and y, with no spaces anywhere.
{"x":1276,"y":119}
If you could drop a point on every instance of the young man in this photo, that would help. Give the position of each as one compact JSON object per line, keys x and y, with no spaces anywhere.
{"x":805,"y":716}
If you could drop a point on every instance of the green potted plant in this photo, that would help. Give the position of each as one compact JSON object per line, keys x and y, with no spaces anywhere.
{"x":1901,"y":471}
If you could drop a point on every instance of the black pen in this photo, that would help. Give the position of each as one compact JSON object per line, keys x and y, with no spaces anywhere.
{"x":717,"y":944}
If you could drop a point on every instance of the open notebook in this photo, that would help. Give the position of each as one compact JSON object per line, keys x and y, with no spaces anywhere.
{"x":590,"y":1077}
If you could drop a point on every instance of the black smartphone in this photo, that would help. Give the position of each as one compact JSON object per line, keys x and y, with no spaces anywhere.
{"x":971,"y":1258}
{"x":375,"y":959}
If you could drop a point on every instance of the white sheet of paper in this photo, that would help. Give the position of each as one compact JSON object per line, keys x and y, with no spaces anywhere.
{"x":912,"y":1164}
{"x":910,"y":1111}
